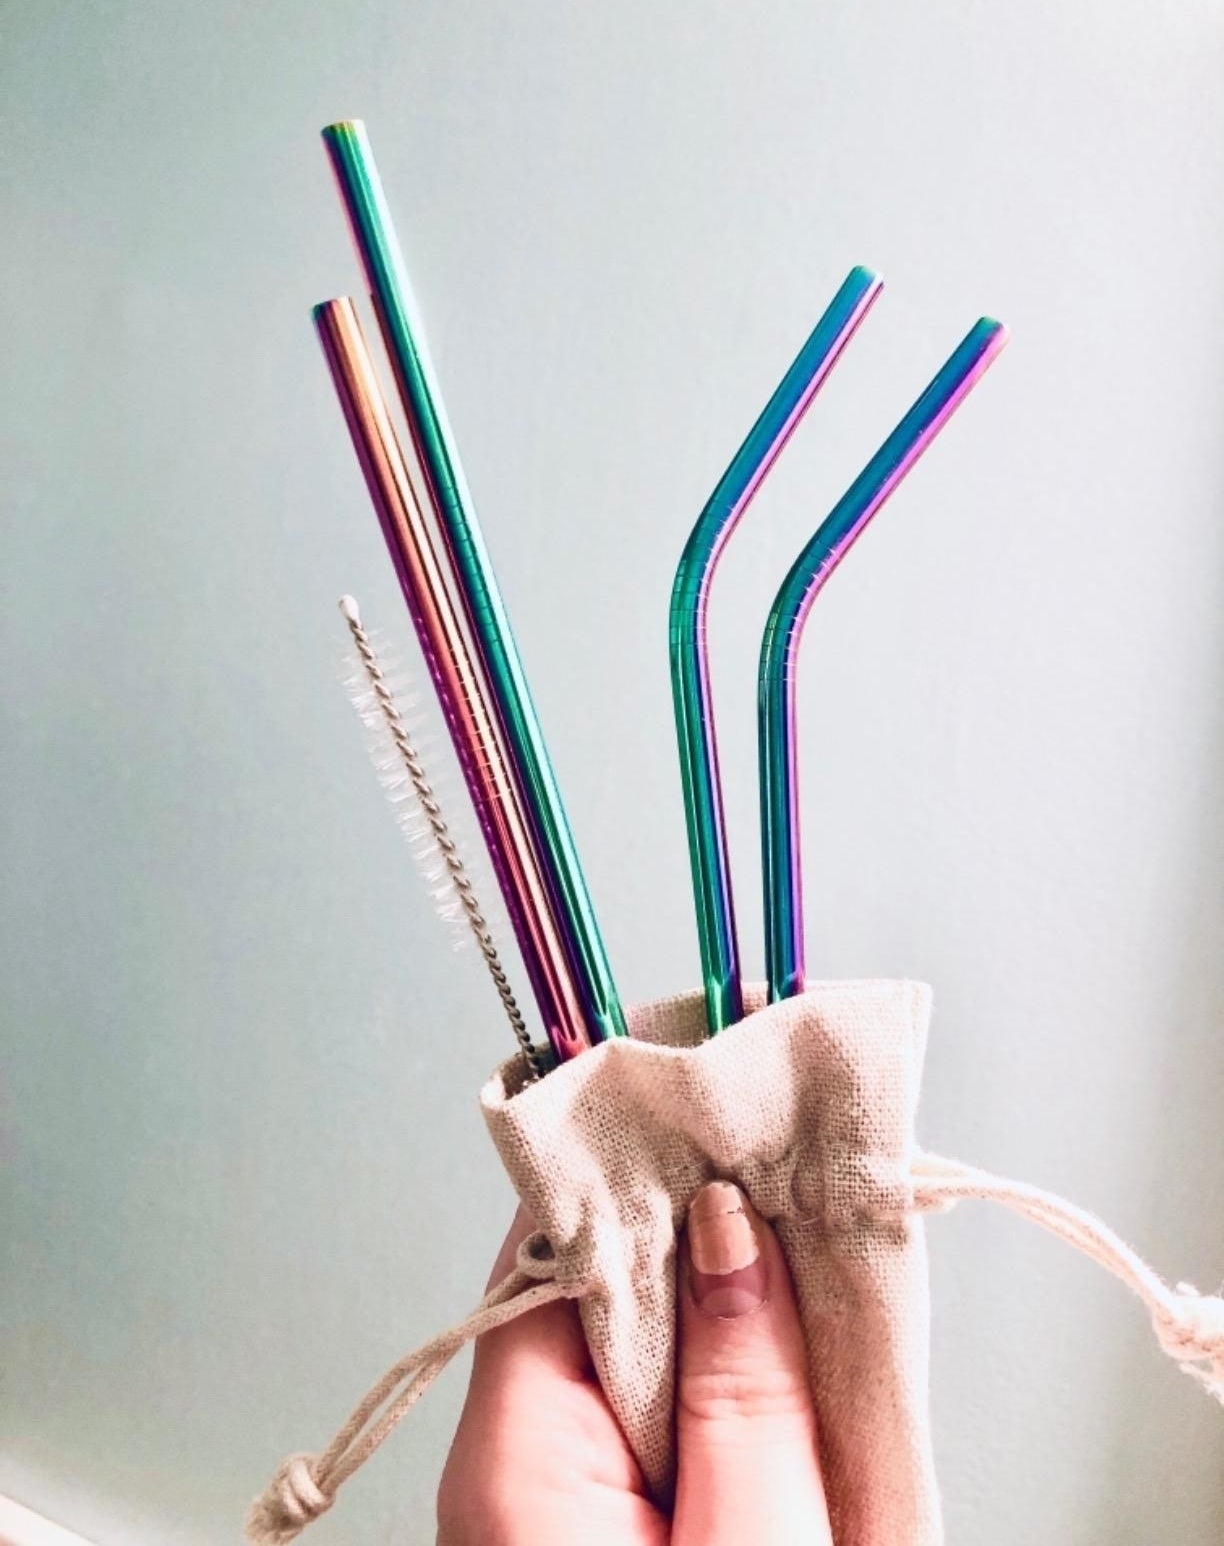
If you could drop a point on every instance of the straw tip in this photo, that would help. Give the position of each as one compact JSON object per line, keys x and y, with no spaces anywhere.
{"x":342,"y":127}
{"x":323,"y":311}
{"x":349,"y":609}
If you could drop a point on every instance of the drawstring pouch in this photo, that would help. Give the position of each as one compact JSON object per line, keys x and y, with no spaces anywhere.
{"x":808,"y":1105}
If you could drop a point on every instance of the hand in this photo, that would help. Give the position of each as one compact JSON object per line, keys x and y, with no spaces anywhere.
{"x":539,"y":1460}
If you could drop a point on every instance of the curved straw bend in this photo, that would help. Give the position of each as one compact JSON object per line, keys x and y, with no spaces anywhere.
{"x":695,"y":733}
{"x":784,"y":945}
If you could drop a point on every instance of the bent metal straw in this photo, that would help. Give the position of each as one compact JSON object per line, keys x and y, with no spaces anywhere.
{"x":457,"y":675}
{"x":783,"y":880}
{"x":695,"y":730}
{"x":352,"y":161}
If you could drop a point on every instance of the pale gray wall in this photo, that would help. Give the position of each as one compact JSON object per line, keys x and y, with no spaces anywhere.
{"x":246,"y":1168}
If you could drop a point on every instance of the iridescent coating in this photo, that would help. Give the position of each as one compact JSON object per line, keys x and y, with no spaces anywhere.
{"x":690,"y":673}
{"x":407,"y":765}
{"x":784,"y":944}
{"x":457,"y":675}
{"x":353,"y":163}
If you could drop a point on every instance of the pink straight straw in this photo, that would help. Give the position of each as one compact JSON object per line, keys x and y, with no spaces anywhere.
{"x":457,"y":675}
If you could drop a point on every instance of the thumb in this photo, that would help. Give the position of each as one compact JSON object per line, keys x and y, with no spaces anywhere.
{"x":745,"y":1425}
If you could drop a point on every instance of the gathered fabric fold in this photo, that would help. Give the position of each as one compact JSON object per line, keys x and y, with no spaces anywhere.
{"x":1188,"y":1326}
{"x":809,"y":1105}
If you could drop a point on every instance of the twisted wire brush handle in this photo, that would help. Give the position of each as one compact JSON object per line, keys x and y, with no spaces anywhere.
{"x":406,"y":516}
{"x":450,"y":855}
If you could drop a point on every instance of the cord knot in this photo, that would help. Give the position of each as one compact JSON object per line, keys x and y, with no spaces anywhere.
{"x":1191,"y":1332}
{"x":291,"y":1501}
{"x":536,"y":1259}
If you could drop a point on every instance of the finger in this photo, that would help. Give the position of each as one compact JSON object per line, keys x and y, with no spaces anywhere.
{"x":745,"y":1425}
{"x":534,"y":1418}
{"x":548,"y":1340}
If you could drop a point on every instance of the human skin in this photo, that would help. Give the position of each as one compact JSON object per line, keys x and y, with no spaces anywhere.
{"x":539,"y":1459}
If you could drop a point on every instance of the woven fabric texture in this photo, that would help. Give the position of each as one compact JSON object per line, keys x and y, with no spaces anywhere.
{"x":809,"y":1105}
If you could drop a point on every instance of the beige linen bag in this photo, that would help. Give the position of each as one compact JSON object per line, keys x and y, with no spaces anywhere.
{"x":809,"y":1105}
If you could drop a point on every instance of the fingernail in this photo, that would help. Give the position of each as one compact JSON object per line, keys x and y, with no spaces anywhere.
{"x":727,"y":1274}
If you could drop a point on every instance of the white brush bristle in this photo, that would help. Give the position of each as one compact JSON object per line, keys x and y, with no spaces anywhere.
{"x":400,"y":754}
{"x":396,"y":781}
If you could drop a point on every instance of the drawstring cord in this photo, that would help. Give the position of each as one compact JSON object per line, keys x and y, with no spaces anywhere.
{"x":305,"y":1485}
{"x":1189,"y":1327}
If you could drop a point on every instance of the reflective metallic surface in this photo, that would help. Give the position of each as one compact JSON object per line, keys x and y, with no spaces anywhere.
{"x":457,"y":675}
{"x":353,"y":163}
{"x":780,"y":852}
{"x":695,"y":730}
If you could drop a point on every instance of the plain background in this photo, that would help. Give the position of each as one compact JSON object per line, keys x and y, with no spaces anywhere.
{"x":245,"y":1164}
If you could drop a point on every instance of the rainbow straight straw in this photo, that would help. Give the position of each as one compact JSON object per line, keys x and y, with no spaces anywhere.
{"x":784,"y":945}
{"x":361,"y":189}
{"x":690,"y":673}
{"x":457,"y":676}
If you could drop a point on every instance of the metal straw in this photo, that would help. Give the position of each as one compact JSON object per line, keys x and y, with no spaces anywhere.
{"x":783,"y":881}
{"x":529,"y":768}
{"x":695,"y":729}
{"x":457,"y":675}
{"x":388,"y":714}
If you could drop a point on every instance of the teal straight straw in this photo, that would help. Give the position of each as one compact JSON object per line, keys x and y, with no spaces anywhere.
{"x":783,"y":881}
{"x":352,"y":160}
{"x":695,"y":731}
